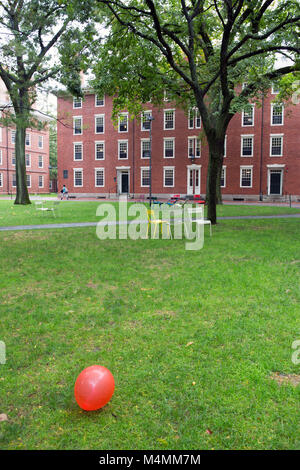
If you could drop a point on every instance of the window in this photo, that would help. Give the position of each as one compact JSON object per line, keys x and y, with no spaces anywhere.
{"x":276,"y":114}
{"x":169,"y":148}
{"x":248,"y":117}
{"x":14,"y":180}
{"x":99,"y":124}
{"x":78,"y":180}
{"x":41,"y":142}
{"x":194,"y":147}
{"x":247,"y":146}
{"x":77,"y":125}
{"x":246,"y":177}
{"x":145,"y":148}
{"x":28,"y":181}
{"x":41,"y":181}
{"x":13,"y":136}
{"x":223,"y":177}
{"x":194,"y":119}
{"x":27,"y":159}
{"x":123,"y":149}
{"x":169,"y":177}
{"x":99,"y":151}
{"x":41,"y":161}
{"x":77,"y":103}
{"x":27,"y":140}
{"x":13,"y":158}
{"x":276,"y":145}
{"x":99,"y":100}
{"x":1,"y":180}
{"x":145,"y":177}
{"x":65,"y":174}
{"x":145,"y":122}
{"x":99,"y":177}
{"x":123,"y":122}
{"x":169,"y":119}
{"x":77,"y":152}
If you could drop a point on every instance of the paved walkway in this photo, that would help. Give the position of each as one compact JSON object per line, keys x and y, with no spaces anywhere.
{"x":93,"y":224}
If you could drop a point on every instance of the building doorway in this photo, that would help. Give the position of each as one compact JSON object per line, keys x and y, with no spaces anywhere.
{"x":193,"y":179}
{"x":275,"y":182}
{"x":123,"y":181}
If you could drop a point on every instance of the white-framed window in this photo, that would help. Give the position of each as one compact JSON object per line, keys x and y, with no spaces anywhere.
{"x":13,"y":158}
{"x":122,"y":149}
{"x":169,"y":176}
{"x":169,"y":147}
{"x":77,"y":151}
{"x":275,"y":89}
{"x":99,"y":101}
{"x":194,"y":119}
{"x":246,"y":175}
{"x":194,"y":147}
{"x":99,"y":124}
{"x":27,"y":159}
{"x":247,"y":146}
{"x":167,"y":96}
{"x":248,"y":117}
{"x":145,"y":148}
{"x":41,"y":181}
{"x":169,"y":119}
{"x":99,"y":178}
{"x":13,"y":136}
{"x":276,"y":114}
{"x":28,"y":181}
{"x":14,"y":180}
{"x":1,"y":180}
{"x":77,"y":125}
{"x":0,"y":157}
{"x":41,"y":142}
{"x":223,"y":177}
{"x":27,"y":140}
{"x":145,"y":177}
{"x":77,"y":102}
{"x":99,"y":150}
{"x":225,"y":146}
{"x":78,"y":177}
{"x":41,"y":161}
{"x":244,"y":85}
{"x":276,"y":145}
{"x":123,"y":122}
{"x":145,"y":122}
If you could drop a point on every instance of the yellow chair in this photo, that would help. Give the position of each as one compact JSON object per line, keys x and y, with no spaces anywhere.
{"x":157,"y":223}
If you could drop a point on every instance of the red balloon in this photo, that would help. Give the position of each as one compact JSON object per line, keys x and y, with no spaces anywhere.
{"x":94,"y":387}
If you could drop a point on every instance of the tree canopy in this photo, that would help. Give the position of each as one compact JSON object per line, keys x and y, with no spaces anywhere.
{"x":200,"y":51}
{"x":31,"y":32}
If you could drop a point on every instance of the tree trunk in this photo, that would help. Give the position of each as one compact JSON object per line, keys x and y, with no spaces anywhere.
{"x":211,"y":188}
{"x":213,"y":192}
{"x":22,"y":196}
{"x":218,"y":185}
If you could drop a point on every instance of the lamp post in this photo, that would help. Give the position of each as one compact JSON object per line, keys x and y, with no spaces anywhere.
{"x":150,"y":119}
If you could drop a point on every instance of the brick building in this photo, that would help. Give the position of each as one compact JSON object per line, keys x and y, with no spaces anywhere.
{"x":96,"y":158}
{"x":36,"y":155}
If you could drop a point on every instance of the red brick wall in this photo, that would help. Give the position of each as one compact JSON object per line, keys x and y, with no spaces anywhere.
{"x":7,"y":171}
{"x":233,"y":159}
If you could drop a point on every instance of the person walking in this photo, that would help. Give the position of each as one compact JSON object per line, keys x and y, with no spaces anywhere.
{"x":64,"y":192}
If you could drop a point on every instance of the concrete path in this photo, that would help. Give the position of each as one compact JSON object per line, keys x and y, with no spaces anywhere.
{"x":94,"y":224}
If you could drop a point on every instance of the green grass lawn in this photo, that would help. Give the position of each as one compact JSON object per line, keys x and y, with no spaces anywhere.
{"x":191,"y":337}
{"x":85,"y":211}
